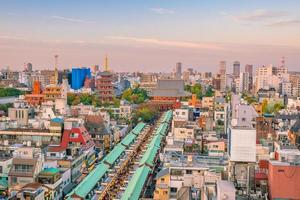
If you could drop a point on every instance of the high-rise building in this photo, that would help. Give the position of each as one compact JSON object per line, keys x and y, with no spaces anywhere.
{"x":178,"y":70}
{"x":236,"y":69}
{"x":222,"y":72}
{"x":249,"y":70}
{"x":78,"y":77}
{"x":244,"y":82}
{"x":29,"y":67}
{"x":270,"y":76}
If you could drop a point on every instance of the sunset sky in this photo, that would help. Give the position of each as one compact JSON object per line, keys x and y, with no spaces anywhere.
{"x":149,"y":35}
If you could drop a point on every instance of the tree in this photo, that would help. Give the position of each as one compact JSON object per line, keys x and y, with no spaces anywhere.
{"x":145,"y":114}
{"x":194,"y":89}
{"x":8,"y":92}
{"x":136,"y":95}
{"x":76,"y":101}
{"x":86,"y":99}
{"x":70,"y":98}
{"x":127,"y":95}
{"x":209,"y":92}
{"x":5,"y":107}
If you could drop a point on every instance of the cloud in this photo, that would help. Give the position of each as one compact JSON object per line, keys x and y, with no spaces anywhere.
{"x":71,"y":19}
{"x":258,"y":15}
{"x":286,"y":22}
{"x":162,"y":11}
{"x":169,"y":43}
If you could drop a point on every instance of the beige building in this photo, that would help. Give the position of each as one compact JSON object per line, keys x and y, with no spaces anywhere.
{"x":208,"y":102}
{"x":21,"y":115}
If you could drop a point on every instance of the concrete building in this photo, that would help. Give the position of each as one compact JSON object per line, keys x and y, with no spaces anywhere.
{"x":249,"y":70}
{"x":285,"y":88}
{"x":282,"y":179}
{"x":26,"y":165}
{"x":244,"y":82}
{"x":222,"y":72}
{"x":78,"y":77}
{"x":225,"y":190}
{"x":242,"y":150}
{"x":236,"y":69}
{"x":178,"y":70}
{"x":21,"y":115}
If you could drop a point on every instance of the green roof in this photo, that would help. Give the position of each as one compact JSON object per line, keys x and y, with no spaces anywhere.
{"x":3,"y":182}
{"x":155,"y":141}
{"x":168,"y":116}
{"x":129,"y":138}
{"x":50,"y":170}
{"x":136,"y":184}
{"x":138,"y":128}
{"x":90,"y":181}
{"x":162,"y":129}
{"x":149,"y":156}
{"x":114,"y":154}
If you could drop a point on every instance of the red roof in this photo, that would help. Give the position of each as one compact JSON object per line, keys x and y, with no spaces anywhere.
{"x":261,"y":176}
{"x":56,"y":149}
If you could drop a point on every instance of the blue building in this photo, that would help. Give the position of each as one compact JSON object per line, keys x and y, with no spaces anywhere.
{"x":78,"y":77}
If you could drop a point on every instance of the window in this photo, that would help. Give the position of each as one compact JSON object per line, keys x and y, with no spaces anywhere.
{"x":1,"y":169}
{"x":14,"y":180}
{"x":188,"y":172}
{"x":162,"y":180}
{"x":74,"y":135}
{"x":173,"y":190}
{"x":176,"y":172}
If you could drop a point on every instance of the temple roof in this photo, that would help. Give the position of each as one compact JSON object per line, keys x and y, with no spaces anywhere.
{"x":170,"y":88}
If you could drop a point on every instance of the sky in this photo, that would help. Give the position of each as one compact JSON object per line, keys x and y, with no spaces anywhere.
{"x":149,"y":35}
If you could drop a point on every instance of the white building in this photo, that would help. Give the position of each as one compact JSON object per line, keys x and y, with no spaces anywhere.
{"x":285,"y":88}
{"x":225,"y":190}
{"x":242,"y":144}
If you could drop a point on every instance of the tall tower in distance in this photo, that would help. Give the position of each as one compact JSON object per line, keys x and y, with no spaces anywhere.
{"x":106,"y":64}
{"x":236,"y":69}
{"x":56,"y":70}
{"x":222,"y":72}
{"x":178,"y":70}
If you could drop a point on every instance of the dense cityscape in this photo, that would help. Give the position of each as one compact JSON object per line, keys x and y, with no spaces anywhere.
{"x":158,"y":115}
{"x":92,"y":133}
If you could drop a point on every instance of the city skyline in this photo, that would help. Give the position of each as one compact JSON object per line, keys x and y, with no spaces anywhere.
{"x":149,"y":36}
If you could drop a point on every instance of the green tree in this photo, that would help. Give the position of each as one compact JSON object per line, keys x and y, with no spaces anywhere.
{"x":4,"y":107}
{"x":209,"y":92}
{"x":86,"y":99}
{"x":70,"y":98}
{"x":9,"y":92}
{"x":135,"y":95}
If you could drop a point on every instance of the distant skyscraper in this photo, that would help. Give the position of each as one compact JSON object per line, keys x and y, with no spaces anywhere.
{"x":244,"y":82}
{"x":29,"y":67}
{"x":222,"y":67}
{"x":178,"y":70}
{"x":222,"y":72}
{"x":236,"y":69}
{"x":249,"y":70}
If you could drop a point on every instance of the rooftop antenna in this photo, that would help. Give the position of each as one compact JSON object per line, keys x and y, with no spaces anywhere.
{"x":106,"y":63}
{"x":55,"y":70}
